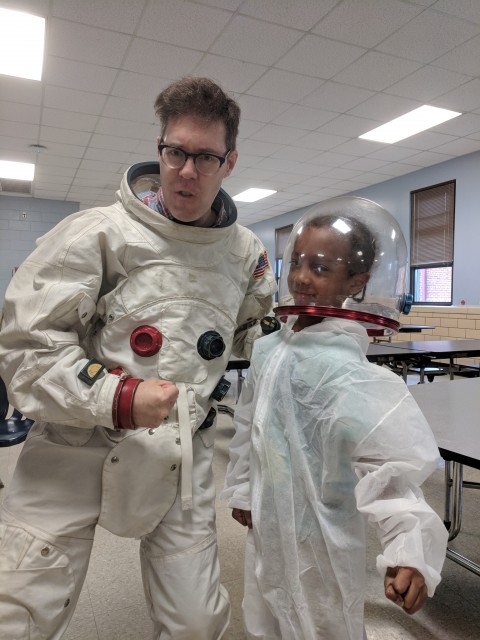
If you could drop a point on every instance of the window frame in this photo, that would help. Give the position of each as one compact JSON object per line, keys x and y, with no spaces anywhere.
{"x":448,"y":225}
{"x":281,"y":237}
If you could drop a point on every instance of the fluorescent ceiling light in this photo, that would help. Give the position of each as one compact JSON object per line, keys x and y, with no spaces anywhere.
{"x":16,"y":170}
{"x":409,"y":124}
{"x":341,"y":226}
{"x":22,"y":37}
{"x":252,"y":195}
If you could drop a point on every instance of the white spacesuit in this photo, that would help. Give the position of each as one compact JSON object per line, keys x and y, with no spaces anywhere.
{"x":343,"y":440}
{"x":122,"y":287}
{"x":324,"y":441}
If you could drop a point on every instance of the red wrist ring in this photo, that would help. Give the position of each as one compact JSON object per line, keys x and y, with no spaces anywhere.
{"x":122,"y":406}
{"x":125,"y":403}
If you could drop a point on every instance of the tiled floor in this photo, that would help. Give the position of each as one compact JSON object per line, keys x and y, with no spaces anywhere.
{"x":112,"y":607}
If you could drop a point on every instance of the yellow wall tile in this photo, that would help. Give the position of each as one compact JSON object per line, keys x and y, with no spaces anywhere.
{"x":466,"y":324}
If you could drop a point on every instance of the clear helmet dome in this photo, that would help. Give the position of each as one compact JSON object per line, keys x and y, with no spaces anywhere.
{"x":346,"y":257}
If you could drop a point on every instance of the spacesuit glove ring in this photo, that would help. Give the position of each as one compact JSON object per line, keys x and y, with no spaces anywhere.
{"x":122,"y":409}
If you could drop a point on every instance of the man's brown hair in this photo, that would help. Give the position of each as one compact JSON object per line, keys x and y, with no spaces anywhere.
{"x":202,"y":98}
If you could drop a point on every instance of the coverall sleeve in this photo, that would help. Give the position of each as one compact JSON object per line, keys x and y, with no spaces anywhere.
{"x":237,"y":479}
{"x":48,"y":306}
{"x":257,"y":303}
{"x":391,"y":463}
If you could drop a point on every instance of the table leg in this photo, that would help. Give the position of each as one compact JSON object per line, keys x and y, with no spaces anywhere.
{"x":447,"y":518}
{"x":457,"y":500}
{"x":453,"y":511}
{"x":240,"y":380}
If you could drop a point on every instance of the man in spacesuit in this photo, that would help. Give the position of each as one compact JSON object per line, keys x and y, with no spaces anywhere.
{"x":115,"y":335}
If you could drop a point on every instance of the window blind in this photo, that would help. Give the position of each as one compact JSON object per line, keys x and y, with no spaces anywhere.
{"x":432,"y":225}
{"x":281,"y":237}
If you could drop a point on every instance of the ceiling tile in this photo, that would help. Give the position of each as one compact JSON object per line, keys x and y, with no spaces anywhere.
{"x":301,"y":14}
{"x":462,"y":126}
{"x":376,"y":71}
{"x":68,"y":120}
{"x":54,"y":134}
{"x":167,"y":60}
{"x":383,"y":107}
{"x":304,"y":117}
{"x":284,"y":85}
{"x":72,"y":100}
{"x":21,"y":130}
{"x":333,"y":96}
{"x":254,"y":41}
{"x":344,"y":21}
{"x":20,"y":90}
{"x":319,"y":57}
{"x":321,"y":141}
{"x":459,"y":147}
{"x":75,"y":41}
{"x":430,"y":35}
{"x":184,"y":24}
{"x":463,"y":98}
{"x":467,"y":9}
{"x":140,"y":110}
{"x":347,"y":125}
{"x":107,"y":13}
{"x":82,"y":76}
{"x":428,"y":158}
{"x":427,"y":83}
{"x":19,"y":112}
{"x":463,"y":59}
{"x":232,"y":75}
{"x":260,"y":109}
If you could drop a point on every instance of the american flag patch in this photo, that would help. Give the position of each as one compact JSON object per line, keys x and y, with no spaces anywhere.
{"x":261,"y":266}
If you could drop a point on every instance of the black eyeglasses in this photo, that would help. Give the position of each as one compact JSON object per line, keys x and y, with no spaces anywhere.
{"x":205,"y":163}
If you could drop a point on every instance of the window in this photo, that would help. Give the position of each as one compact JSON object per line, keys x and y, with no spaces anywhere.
{"x":281,"y":238}
{"x":431,"y":245}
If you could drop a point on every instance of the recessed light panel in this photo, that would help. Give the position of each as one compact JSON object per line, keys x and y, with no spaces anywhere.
{"x":252,"y":195}
{"x":420,"y":119}
{"x":22,"y":38}
{"x":16,"y":170}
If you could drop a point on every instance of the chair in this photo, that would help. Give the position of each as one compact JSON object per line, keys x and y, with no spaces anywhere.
{"x":237,"y":365}
{"x":14,"y":429}
{"x":427,"y":372}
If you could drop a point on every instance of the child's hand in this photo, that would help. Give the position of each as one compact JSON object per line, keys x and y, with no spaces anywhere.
{"x":406,"y":587}
{"x":243,"y":517}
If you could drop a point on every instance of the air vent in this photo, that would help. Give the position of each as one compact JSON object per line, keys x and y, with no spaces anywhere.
{"x":16,"y":187}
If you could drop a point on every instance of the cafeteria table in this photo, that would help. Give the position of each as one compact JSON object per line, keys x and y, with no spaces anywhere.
{"x":453,"y":411}
{"x":379,"y":334}
{"x":422,"y":352}
{"x":390,"y":353}
{"x":414,"y":328}
{"x":450,"y":349}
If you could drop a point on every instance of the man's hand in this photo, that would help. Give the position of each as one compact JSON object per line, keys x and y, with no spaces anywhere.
{"x":153,"y":402}
{"x":406,"y":587}
{"x":243,"y":517}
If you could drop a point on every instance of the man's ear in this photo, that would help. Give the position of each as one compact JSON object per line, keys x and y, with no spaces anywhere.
{"x":230,"y":162}
{"x":358,"y":282}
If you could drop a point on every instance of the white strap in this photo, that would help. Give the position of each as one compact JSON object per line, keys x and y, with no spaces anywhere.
{"x":187,"y":448}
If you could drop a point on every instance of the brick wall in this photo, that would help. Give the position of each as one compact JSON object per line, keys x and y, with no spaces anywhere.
{"x":451,"y":323}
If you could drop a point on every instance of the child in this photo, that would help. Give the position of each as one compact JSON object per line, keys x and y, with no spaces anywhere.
{"x":325,"y":440}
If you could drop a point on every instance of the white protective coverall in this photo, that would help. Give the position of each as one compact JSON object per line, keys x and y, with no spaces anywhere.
{"x":95,"y":278}
{"x":325,"y":440}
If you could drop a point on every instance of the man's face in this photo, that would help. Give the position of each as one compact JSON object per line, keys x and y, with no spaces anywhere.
{"x":187,"y":193}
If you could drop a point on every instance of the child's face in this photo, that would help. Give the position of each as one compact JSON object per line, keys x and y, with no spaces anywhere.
{"x":319,"y":271}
